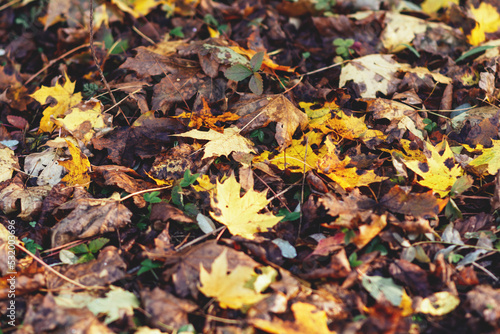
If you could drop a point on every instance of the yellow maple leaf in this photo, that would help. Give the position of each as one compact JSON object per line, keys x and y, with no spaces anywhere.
{"x":82,"y":120}
{"x":348,"y":178}
{"x":137,"y":8}
{"x":308,"y":319}
{"x":487,"y":21}
{"x":432,"y":6}
{"x":65,"y":99}
{"x":439,"y":172}
{"x":78,"y":167}
{"x":241,"y":214}
{"x":298,"y":158}
{"x":319,"y":115}
{"x":8,"y":163}
{"x":238,"y":288}
{"x":206,"y":118}
{"x":349,"y":127}
{"x":489,"y":160}
{"x":221,"y":143}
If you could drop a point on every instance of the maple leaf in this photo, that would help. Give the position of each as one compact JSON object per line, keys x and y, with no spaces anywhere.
{"x":84,"y":119}
{"x":267,"y":64}
{"x":439,"y":172}
{"x":8,"y":162}
{"x":78,"y":167}
{"x":487,"y":21}
{"x":235,"y":289}
{"x":115,"y":305}
{"x":206,"y":118}
{"x":298,"y":158}
{"x":432,"y":6}
{"x":308,"y":319}
{"x":277,"y":109}
{"x":65,"y":99}
{"x":137,"y":8}
{"x":317,"y":115}
{"x":221,"y":144}
{"x":349,"y":127}
{"x":348,"y":178}
{"x":489,"y":160}
{"x":240,"y":214}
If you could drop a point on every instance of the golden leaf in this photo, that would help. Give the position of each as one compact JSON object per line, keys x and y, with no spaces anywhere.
{"x":78,"y":167}
{"x":241,"y":214}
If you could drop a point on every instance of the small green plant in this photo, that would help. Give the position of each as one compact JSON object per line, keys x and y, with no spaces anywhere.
{"x":324,"y":5}
{"x":151,"y":198}
{"x":430,"y":125}
{"x":89,"y":90}
{"x":240,"y":72}
{"x":188,"y":179}
{"x":177,"y":32}
{"x":353,"y":260}
{"x":348,"y":235}
{"x":288,"y":216}
{"x":32,"y":224}
{"x":343,"y":47}
{"x":31,"y":245}
{"x":148,"y":265}
{"x":210,"y":20}
{"x":87,"y":253}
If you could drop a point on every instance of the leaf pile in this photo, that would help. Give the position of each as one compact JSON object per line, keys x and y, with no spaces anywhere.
{"x":280,"y":166}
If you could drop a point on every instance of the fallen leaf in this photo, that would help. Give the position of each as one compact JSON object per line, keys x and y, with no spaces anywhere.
{"x":65,"y":98}
{"x":221,"y":144}
{"x":8,"y":163}
{"x":487,"y":21}
{"x":114,"y":305}
{"x":440,"y":171}
{"x":348,"y":178}
{"x":28,"y":200}
{"x":230,"y":289}
{"x":308,"y":319}
{"x":45,"y":167}
{"x":432,"y":6}
{"x":424,"y":205}
{"x":78,"y":167}
{"x":369,"y":231}
{"x":89,"y":217}
{"x":276,"y":108}
{"x":166,"y":309}
{"x":438,"y":304}
{"x":241,"y":214}
{"x":489,"y":159}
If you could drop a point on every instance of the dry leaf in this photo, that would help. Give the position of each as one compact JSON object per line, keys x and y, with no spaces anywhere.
{"x":241,"y":214}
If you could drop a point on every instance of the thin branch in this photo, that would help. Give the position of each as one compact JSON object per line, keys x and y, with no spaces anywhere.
{"x":49,"y":268}
{"x":97,"y":64}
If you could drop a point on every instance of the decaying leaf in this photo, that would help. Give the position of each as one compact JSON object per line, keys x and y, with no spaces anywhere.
{"x":241,"y":214}
{"x":28,"y":200}
{"x":89,"y":217}
{"x":276,"y":109}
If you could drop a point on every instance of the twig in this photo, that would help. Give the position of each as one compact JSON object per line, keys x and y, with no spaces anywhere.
{"x":192,"y":242}
{"x":53,"y":61}
{"x":49,"y":268}
{"x":142,"y":192}
{"x":92,"y":50}
{"x":326,"y":68}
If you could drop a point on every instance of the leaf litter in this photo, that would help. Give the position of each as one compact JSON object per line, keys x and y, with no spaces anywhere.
{"x":291,"y":167}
